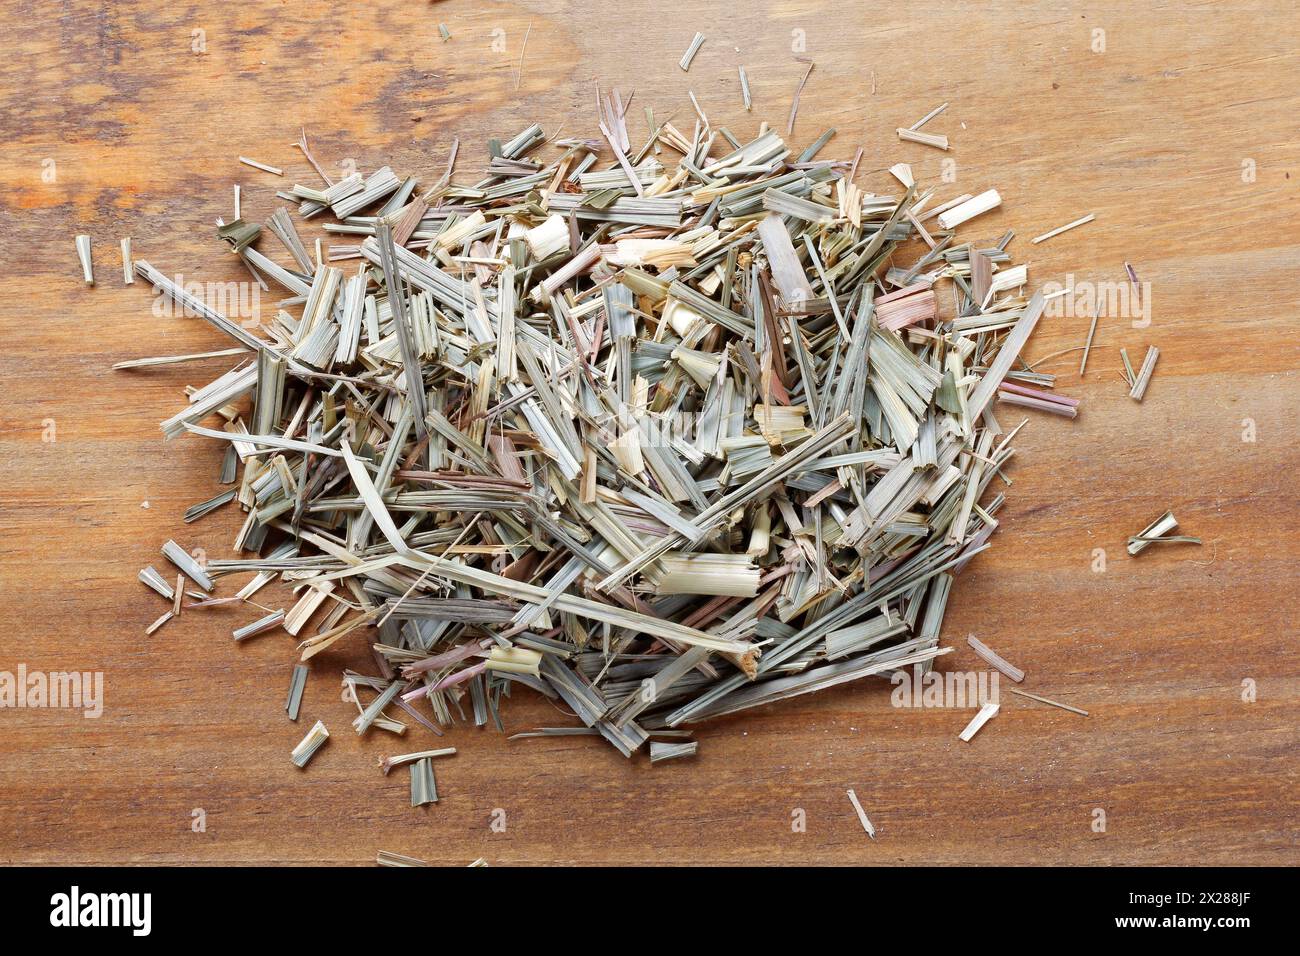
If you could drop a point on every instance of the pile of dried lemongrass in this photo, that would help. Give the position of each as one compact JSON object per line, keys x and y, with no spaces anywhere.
{"x":661,"y":438}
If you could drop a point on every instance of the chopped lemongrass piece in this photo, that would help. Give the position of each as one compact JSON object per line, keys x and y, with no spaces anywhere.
{"x":424,"y":788}
{"x":794,"y":104}
{"x":195,"y":512}
{"x":993,"y":659}
{"x":388,"y":763}
{"x":1158,"y":528}
{"x":929,"y":116}
{"x":273,"y":170}
{"x":1060,"y":229}
{"x":925,"y":139}
{"x":303,"y":753}
{"x":1052,"y":703}
{"x":128,"y":270}
{"x":260,"y":626}
{"x":1129,"y":376}
{"x":987,"y":712}
{"x":862,"y":814}
{"x":1157,"y":532}
{"x":297,"y":683}
{"x":1087,"y":346}
{"x":723,"y":574}
{"x":83,"y":253}
{"x":384,"y":858}
{"x":662,"y":751}
{"x":514,"y":660}
{"x":1143,"y":378}
{"x":954,"y":217}
{"x":694,"y":48}
{"x":151,"y":578}
{"x":1169,"y":539}
{"x":185,"y":562}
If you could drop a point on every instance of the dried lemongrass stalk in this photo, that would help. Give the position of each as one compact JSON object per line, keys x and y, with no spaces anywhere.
{"x":273,"y":170}
{"x":729,"y":574}
{"x":1143,"y":378}
{"x":926,"y":139}
{"x":151,"y":578}
{"x":191,"y":568}
{"x":388,"y":763}
{"x":1049,"y":702}
{"x":1041,"y":399}
{"x":694,"y":48}
{"x":83,"y":253}
{"x":1156,"y":529}
{"x":260,"y":626}
{"x":1087,"y":346}
{"x":297,"y":684}
{"x":992,"y":658}
{"x":307,"y":748}
{"x":986,"y":713}
{"x":1157,"y":532}
{"x":1060,"y":229}
{"x":664,"y":751}
{"x":928,"y":116}
{"x":976,"y":206}
{"x":862,"y":814}
{"x":424,"y":788}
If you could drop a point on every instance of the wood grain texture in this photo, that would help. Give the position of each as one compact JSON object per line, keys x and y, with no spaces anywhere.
{"x":1150,"y":135}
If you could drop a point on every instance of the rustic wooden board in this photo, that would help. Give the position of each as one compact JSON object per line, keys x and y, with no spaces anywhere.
{"x":1151,"y":135}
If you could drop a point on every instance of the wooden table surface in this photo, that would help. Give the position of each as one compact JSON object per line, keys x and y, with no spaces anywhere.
{"x":115,"y":125}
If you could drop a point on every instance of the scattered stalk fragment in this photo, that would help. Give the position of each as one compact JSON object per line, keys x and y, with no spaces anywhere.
{"x":424,"y":788}
{"x":1060,"y":229}
{"x":1049,"y":702}
{"x":1087,"y":346}
{"x":311,"y":743}
{"x":995,"y":660}
{"x":1157,"y":532}
{"x":297,"y":683}
{"x":385,"y":858}
{"x":862,"y":814}
{"x":1143,"y":377}
{"x":273,"y":170}
{"x":87,"y":265}
{"x":985,"y":714}
{"x":660,"y":751}
{"x":925,"y":139}
{"x":696,"y":42}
